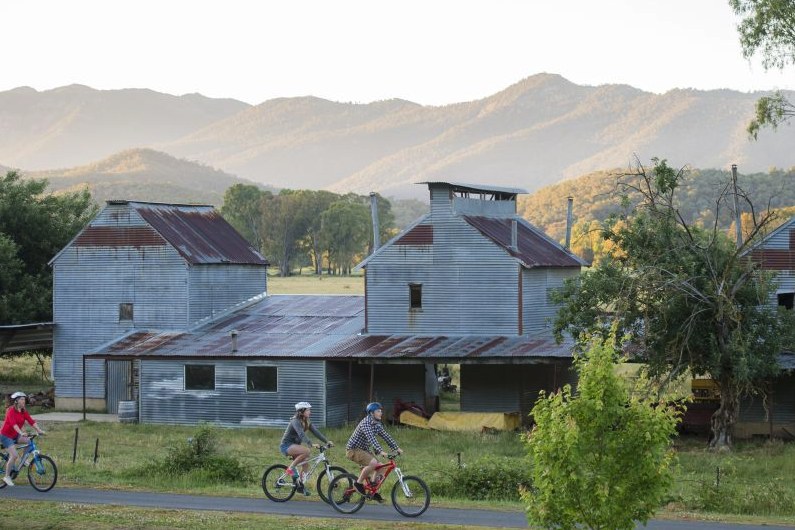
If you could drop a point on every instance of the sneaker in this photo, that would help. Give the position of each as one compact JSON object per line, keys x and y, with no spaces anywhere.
{"x":359,"y":487}
{"x":8,"y":481}
{"x":305,"y":491}
{"x":377,"y":497}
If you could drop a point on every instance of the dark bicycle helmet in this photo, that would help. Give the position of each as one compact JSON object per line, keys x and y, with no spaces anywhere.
{"x":372,"y":407}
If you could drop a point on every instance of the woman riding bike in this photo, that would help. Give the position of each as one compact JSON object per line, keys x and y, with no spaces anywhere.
{"x":294,"y":437}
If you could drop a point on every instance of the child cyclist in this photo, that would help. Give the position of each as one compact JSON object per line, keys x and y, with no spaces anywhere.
{"x":11,"y":432}
{"x":362,"y":447}
{"x":294,"y":437}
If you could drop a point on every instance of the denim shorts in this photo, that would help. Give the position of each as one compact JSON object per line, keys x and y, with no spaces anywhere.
{"x":284,"y":447}
{"x":7,"y":442}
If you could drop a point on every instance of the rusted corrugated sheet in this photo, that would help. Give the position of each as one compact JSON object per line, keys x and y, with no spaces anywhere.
{"x":199,"y":233}
{"x":278,"y":326}
{"x":119,"y":236}
{"x":451,"y":348}
{"x":321,"y":327}
{"x":533,"y":249}
{"x":774,"y":259}
{"x":419,"y":235}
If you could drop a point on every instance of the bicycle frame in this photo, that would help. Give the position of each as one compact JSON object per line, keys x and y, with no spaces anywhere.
{"x":24,"y":451}
{"x":372,"y":488}
{"x":313,"y":464}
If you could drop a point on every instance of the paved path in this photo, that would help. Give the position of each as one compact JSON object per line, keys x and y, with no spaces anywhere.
{"x":371,"y":511}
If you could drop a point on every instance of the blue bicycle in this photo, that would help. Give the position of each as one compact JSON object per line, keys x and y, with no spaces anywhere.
{"x":42,"y":471}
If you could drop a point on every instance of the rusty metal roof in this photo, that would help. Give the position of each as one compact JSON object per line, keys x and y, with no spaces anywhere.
{"x":460,"y":348}
{"x":534,"y":249}
{"x":198,"y":233}
{"x":321,"y":327}
{"x":277,"y":326}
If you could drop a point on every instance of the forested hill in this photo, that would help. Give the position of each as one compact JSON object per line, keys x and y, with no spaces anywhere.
{"x":76,"y":125}
{"x":534,"y":133}
{"x":595,"y":198}
{"x":144,"y":175}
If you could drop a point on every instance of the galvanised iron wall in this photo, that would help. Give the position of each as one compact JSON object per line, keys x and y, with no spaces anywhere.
{"x":216,"y":287}
{"x":390,"y":383}
{"x":165,"y":400}
{"x":89,"y":283}
{"x":120,"y":384}
{"x":346,"y":392}
{"x":781,"y":404}
{"x":537,"y":284}
{"x":510,"y":387}
{"x":469,"y":285}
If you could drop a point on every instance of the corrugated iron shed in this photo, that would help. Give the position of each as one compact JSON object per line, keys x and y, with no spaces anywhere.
{"x":26,"y":337}
{"x":199,"y":233}
{"x":533,"y":249}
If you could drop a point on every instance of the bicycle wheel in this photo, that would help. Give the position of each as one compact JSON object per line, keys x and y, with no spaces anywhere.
{"x":343,"y":496}
{"x":3,"y":462}
{"x":411,"y":497}
{"x":42,"y":473}
{"x":324,"y":480}
{"x":277,"y":484}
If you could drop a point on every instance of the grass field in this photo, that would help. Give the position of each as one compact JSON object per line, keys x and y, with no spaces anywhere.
{"x":753,"y":483}
{"x":311,"y":284}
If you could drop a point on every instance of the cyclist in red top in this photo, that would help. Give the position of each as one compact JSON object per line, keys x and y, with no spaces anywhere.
{"x":11,"y":432}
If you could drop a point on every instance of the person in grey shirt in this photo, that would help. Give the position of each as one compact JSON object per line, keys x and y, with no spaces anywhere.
{"x":294,"y":438}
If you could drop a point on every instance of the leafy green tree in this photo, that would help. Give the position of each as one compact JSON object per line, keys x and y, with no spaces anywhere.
{"x":285,"y":219}
{"x":768,"y":28}
{"x":318,"y":202}
{"x":34,"y":226}
{"x":685,"y":294}
{"x":601,"y":458}
{"x":346,"y":227}
{"x":242,"y":208}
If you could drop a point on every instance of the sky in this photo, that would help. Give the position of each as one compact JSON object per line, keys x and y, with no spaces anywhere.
{"x":432,"y":52}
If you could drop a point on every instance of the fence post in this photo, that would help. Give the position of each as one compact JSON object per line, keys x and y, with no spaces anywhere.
{"x":74,"y":447}
{"x":459,"y":460}
{"x":96,"y":451}
{"x":717,"y":477}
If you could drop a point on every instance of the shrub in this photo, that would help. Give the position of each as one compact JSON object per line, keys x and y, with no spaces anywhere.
{"x":199,"y":457}
{"x":486,"y":478}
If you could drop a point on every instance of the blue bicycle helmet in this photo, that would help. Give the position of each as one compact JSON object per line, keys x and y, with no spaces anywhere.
{"x":372,"y":407}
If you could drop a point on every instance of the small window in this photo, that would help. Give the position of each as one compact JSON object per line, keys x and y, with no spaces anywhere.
{"x":125,"y":312}
{"x":415,"y":296}
{"x":261,"y":378}
{"x":199,"y":377}
{"x":786,"y":299}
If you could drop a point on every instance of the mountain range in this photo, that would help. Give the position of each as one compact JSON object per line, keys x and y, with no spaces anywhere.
{"x":534,"y":133}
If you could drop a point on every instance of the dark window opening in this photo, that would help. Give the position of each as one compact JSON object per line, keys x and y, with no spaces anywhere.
{"x":125,"y":312}
{"x":415,"y":296}
{"x":786,"y":299}
{"x":261,"y":378}
{"x":199,"y":377}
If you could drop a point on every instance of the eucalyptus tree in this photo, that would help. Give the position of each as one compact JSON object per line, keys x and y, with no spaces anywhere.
{"x":768,"y":28}
{"x":242,"y":208}
{"x":684,"y":294}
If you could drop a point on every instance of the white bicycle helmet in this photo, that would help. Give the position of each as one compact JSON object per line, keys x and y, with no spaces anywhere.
{"x":302,"y":405}
{"x":17,"y":395}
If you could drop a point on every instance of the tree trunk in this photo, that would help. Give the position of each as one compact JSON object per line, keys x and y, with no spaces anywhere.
{"x":724,"y":418}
